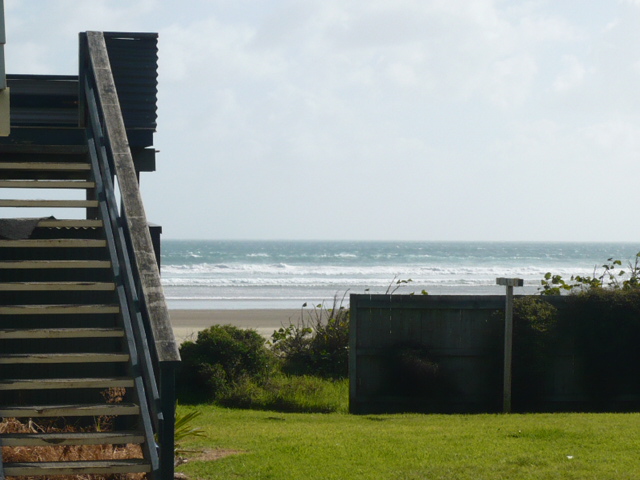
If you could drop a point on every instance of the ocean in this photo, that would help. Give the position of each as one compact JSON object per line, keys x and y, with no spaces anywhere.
{"x":199,"y":274}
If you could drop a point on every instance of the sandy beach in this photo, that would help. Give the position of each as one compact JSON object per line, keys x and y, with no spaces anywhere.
{"x":187,"y":323}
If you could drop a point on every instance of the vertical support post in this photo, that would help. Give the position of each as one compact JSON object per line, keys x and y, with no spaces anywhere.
{"x":508,"y":339}
{"x":3,"y":40}
{"x":167,"y":424}
{"x":5,"y":120}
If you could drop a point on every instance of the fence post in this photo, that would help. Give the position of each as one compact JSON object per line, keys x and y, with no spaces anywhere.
{"x":508,"y":339}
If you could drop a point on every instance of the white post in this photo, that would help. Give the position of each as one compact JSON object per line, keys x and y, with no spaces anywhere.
{"x":508,"y":339}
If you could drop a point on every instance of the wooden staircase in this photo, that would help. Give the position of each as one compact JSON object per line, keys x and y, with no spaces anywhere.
{"x":65,"y":361}
{"x":87,"y":353}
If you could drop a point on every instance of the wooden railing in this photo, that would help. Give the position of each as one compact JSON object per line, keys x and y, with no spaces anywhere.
{"x":144,"y":310}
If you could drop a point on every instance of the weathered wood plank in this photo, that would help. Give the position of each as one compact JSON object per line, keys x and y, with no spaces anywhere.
{"x":49,"y":203}
{"x":53,"y":184}
{"x":64,"y":383}
{"x":45,"y":166}
{"x":76,"y":468}
{"x":44,"y":149}
{"x":57,"y":286}
{"x":54,"y":264}
{"x":18,"y":333}
{"x":70,"y":438}
{"x":77,"y":410}
{"x":70,"y":223}
{"x":162,"y":332}
{"x":38,"y":358}
{"x":57,"y":309}
{"x":54,"y":243}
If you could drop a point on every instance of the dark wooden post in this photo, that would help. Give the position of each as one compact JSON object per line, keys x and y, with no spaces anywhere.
{"x":167,"y":426}
{"x":508,"y":339}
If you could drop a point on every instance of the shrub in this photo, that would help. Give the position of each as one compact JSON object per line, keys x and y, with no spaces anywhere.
{"x":318,"y":345}
{"x":219,"y":359}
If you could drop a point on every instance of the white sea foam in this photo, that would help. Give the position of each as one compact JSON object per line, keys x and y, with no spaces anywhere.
{"x":277,"y":274}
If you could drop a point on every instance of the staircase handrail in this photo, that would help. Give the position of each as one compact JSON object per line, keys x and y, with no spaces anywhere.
{"x":159,"y":362}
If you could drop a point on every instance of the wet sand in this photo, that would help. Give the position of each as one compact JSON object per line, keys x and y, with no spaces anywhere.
{"x":187,"y":323}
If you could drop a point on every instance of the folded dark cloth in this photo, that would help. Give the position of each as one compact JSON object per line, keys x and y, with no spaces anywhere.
{"x":19,"y":228}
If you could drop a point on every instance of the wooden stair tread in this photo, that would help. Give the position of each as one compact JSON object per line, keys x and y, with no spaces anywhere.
{"x":58,"y":286}
{"x":70,"y":223}
{"x":79,"y":410}
{"x":54,"y":243}
{"x":67,"y":184}
{"x":39,"y":358}
{"x":64,"y":383}
{"x":49,"y":203}
{"x":16,"y":333}
{"x":71,"y":468}
{"x":53,"y":264}
{"x":45,"y":166}
{"x":44,"y":149}
{"x":57,"y":309}
{"x":70,"y":438}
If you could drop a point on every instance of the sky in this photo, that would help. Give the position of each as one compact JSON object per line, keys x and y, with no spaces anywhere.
{"x":490,"y":120}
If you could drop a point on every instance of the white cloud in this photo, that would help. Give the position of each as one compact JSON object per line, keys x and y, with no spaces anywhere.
{"x":572,"y":76}
{"x":327,"y":107}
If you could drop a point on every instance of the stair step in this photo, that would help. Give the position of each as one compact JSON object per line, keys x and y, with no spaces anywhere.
{"x":24,"y":358}
{"x":64,"y":383}
{"x":70,"y":438}
{"x":77,"y":468}
{"x":32,"y":333}
{"x":49,"y":203}
{"x":71,"y":223}
{"x":54,"y":243}
{"x":53,"y":264}
{"x":80,"y":410}
{"x":45,"y":166}
{"x":80,"y":184}
{"x":44,"y":149}
{"x":57,"y":309}
{"x":57,"y":286}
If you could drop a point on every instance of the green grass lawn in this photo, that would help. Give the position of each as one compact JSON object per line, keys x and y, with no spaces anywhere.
{"x":296,"y":446}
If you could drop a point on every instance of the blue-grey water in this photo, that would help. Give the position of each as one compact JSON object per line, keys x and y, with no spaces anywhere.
{"x":285,"y":274}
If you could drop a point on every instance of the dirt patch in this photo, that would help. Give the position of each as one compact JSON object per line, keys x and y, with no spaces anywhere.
{"x":215,"y":454}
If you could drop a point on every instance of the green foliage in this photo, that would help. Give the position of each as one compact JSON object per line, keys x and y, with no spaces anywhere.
{"x":284,"y":393}
{"x":220,"y":358}
{"x":317,"y":345}
{"x":184,"y":430}
{"x":610,"y":276}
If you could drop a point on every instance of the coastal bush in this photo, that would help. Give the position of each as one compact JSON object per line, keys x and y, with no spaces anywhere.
{"x":220,"y":358}
{"x":610,"y":276}
{"x":316,"y":345}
